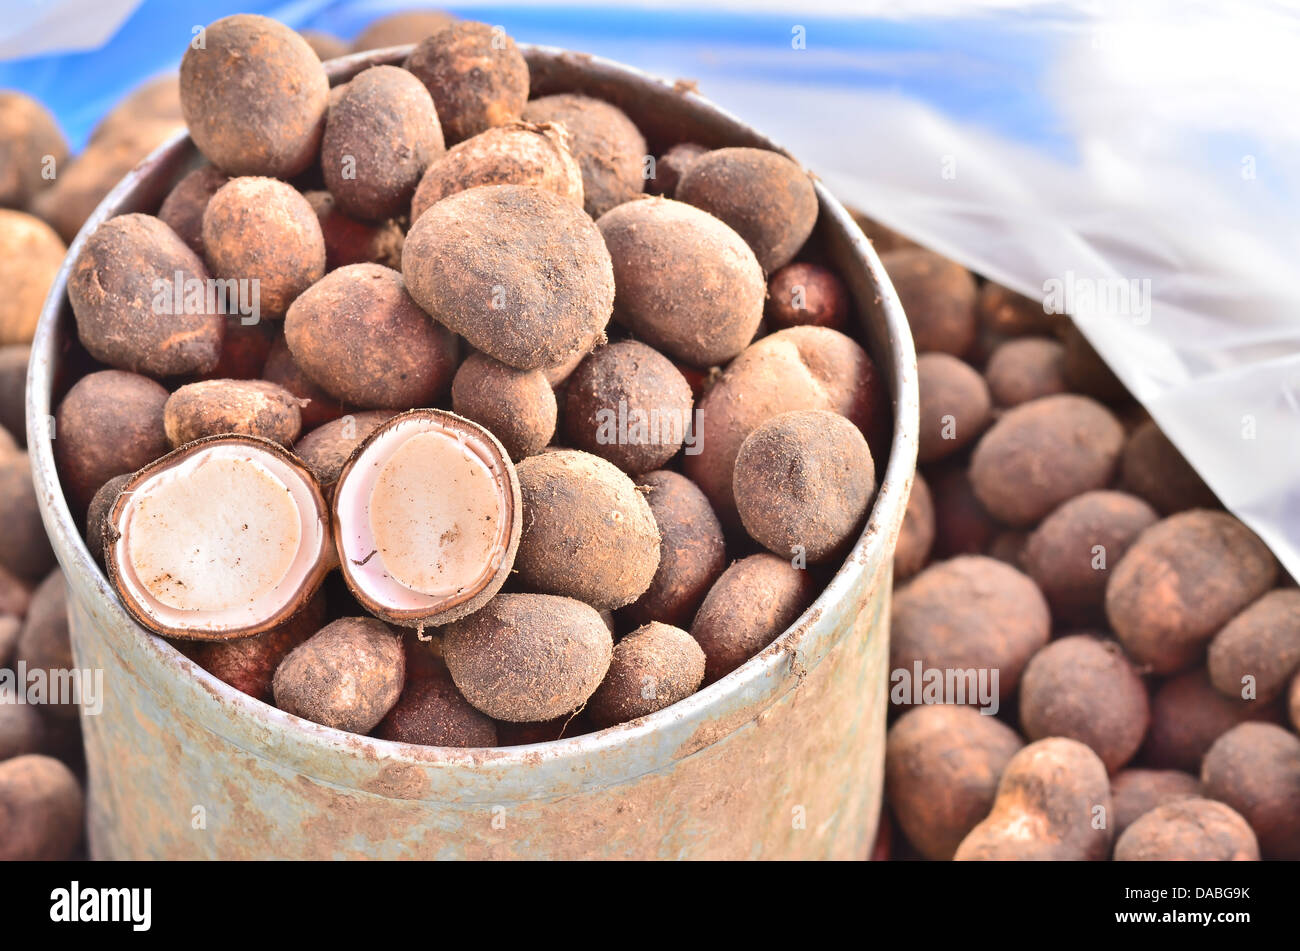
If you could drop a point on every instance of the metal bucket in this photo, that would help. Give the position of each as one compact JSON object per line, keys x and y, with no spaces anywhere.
{"x":781,"y":759}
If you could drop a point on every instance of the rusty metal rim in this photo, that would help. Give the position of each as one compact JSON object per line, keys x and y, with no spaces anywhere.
{"x":759,"y":682}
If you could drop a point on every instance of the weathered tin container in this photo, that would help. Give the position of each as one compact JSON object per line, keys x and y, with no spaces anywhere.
{"x":781,"y":759}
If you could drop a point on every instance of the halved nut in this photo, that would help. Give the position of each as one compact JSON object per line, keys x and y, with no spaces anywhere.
{"x":427,"y":518}
{"x":224,"y":537}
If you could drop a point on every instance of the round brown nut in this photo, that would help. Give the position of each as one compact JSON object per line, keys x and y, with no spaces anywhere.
{"x":31,"y":149}
{"x":942,"y":765}
{"x":1085,"y":688}
{"x":41,"y":810}
{"x":955,"y":405}
{"x":1153,"y":468}
{"x":766,"y":197}
{"x":1188,"y":715}
{"x":347,"y":675}
{"x":527,"y":658}
{"x":747,"y":608}
{"x":249,"y":663}
{"x":317,"y":406}
{"x":587,"y":532}
{"x":1189,"y":830}
{"x":802,"y":294}
{"x":1181,"y":581}
{"x":519,"y":272}
{"x":432,"y":712}
{"x":1046,"y":808}
{"x":250,"y":407}
{"x":109,"y":423}
{"x":518,"y":406}
{"x":182,"y":210}
{"x":1072,"y":551}
{"x":803,"y":484}
{"x":1255,"y":769}
{"x":124,"y":294}
{"x":97,"y":514}
{"x":627,"y":403}
{"x":349,"y":241}
{"x":263,"y":115}
{"x":26,"y":550}
{"x":687,"y":284}
{"x":692,"y":551}
{"x":797,"y":369}
{"x":938,"y":297}
{"x":968,"y":613}
{"x":1042,"y":453}
{"x":360,"y":336}
{"x":669,"y":168}
{"x":476,"y":75}
{"x":30,"y":256}
{"x":608,"y":146}
{"x":1135,"y":792}
{"x":326,"y":448}
{"x":1259,"y":649}
{"x":260,"y":229}
{"x":653,"y":667}
{"x":518,"y":153}
{"x":401,"y":29}
{"x":380,"y":136}
{"x":1025,"y":369}
{"x":916,"y":537}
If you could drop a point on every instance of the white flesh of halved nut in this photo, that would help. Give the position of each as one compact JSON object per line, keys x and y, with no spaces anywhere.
{"x":425,"y":516}
{"x":223,"y":537}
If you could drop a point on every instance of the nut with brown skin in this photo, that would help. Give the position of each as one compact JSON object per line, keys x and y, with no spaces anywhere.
{"x":349,"y":241}
{"x":747,"y":608}
{"x":942,"y":765}
{"x":264,"y":117}
{"x":109,"y":423}
{"x":803,"y":484}
{"x":653,"y":667}
{"x":1042,"y":453}
{"x":1085,"y":688}
{"x":916,"y":537}
{"x":518,"y":153}
{"x":427,"y":518}
{"x":1182,"y":580}
{"x":347,"y":675}
{"x":627,"y":403}
{"x":938,"y":297}
{"x":1153,"y":468}
{"x":30,"y":256}
{"x":245,"y":407}
{"x":328,"y":447}
{"x":30,"y":143}
{"x":767,"y":198}
{"x":1188,"y":715}
{"x":1071,"y":553}
{"x":41,"y":810}
{"x":1049,"y":799}
{"x":182,"y":210}
{"x":587,"y":532}
{"x":433,"y":712}
{"x":1255,"y":769}
{"x":360,"y":336}
{"x":476,"y":74}
{"x":802,"y":368}
{"x":1259,"y":649}
{"x":260,"y":229}
{"x":528,"y":658}
{"x":608,"y":146}
{"x":381,"y":134}
{"x":802,"y":294}
{"x":692,"y":551}
{"x":955,"y":405}
{"x":1135,"y":792}
{"x":671,"y":166}
{"x":1025,"y":369}
{"x":25,"y":550}
{"x":1189,"y":830}
{"x":316,"y":406}
{"x":687,"y":283}
{"x":224,"y":537}
{"x":518,"y":406}
{"x":970,"y":612}
{"x":517,"y":271}
{"x":123,"y":289}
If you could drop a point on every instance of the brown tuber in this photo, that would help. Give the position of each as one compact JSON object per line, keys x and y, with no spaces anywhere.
{"x":802,"y":294}
{"x":1188,"y":715}
{"x":245,"y":407}
{"x":608,"y":147}
{"x":671,"y":166}
{"x":328,"y":447}
{"x":1026,"y":369}
{"x":1135,"y":792}
{"x":1188,"y":830}
{"x":938,"y":297}
{"x":32,"y":149}
{"x":653,"y":667}
{"x":1255,"y":769}
{"x":476,"y":75}
{"x":41,"y":807}
{"x":517,"y":406}
{"x":955,"y":405}
{"x":30,"y":257}
{"x":433,"y":712}
{"x":1256,"y":653}
{"x":182,"y":210}
{"x":1153,"y":468}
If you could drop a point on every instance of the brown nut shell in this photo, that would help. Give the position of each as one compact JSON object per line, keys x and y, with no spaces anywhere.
{"x":246,"y":407}
{"x":653,"y":667}
{"x":476,"y":74}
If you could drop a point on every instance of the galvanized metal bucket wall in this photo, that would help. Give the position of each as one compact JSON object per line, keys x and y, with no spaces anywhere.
{"x":781,"y":759}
